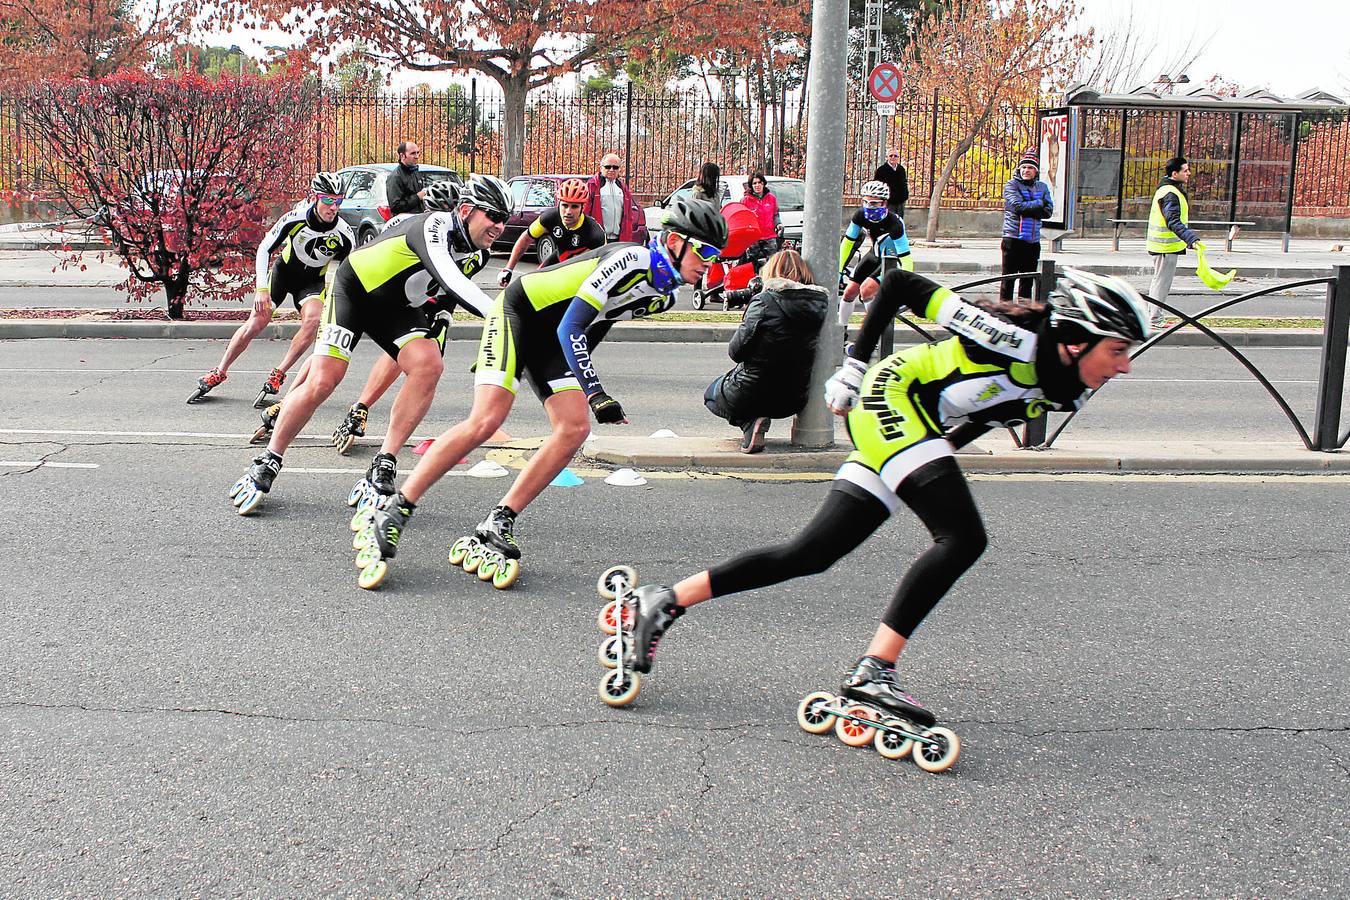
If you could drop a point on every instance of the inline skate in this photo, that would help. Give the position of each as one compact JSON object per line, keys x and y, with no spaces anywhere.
{"x":635,"y":619}
{"x":380,"y":482}
{"x":204,"y":384}
{"x":491,"y":552}
{"x":352,"y":427}
{"x":379,"y":540}
{"x":871,"y":708}
{"x":270,"y":388}
{"x":247,"y":493}
{"x":269,"y":422}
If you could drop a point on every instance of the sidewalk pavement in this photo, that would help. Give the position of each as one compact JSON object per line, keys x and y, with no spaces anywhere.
{"x":1067,"y":456}
{"x":26,"y":260}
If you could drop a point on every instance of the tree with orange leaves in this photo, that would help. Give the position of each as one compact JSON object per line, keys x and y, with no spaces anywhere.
{"x":520,"y":44}
{"x":84,"y":38}
{"x":983,"y":53}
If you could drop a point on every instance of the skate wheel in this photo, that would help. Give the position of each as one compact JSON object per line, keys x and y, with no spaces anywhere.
{"x":373,"y":575}
{"x":487,"y":568}
{"x":458,"y":550}
{"x":610,"y":653}
{"x":260,"y":436}
{"x":356,"y":494}
{"x":237,"y":487}
{"x":362,"y":518}
{"x":811,"y":714}
{"x":855,"y":733}
{"x":608,"y":585}
{"x":363,"y":538}
{"x":891,"y":745}
{"x":368,"y":555}
{"x":472,"y":560}
{"x":345,"y":444}
{"x":619,"y":688}
{"x":248,"y":500}
{"x":608,"y":618}
{"x":940,"y":755}
{"x":506,"y":574}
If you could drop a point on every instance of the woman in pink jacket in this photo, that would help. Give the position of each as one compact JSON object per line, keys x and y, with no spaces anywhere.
{"x":759,"y":198}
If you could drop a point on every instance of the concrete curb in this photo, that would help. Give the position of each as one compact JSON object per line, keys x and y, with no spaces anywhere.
{"x":645,"y":332}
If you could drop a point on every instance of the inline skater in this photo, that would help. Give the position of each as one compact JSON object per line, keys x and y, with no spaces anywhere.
{"x":570,"y":231}
{"x":307,"y":241}
{"x":379,"y":291}
{"x":887,"y":232}
{"x":440,"y":196}
{"x":539,"y":326}
{"x":906,"y":415}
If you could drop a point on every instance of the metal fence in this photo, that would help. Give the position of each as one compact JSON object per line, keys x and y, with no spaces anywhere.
{"x":664,"y":138}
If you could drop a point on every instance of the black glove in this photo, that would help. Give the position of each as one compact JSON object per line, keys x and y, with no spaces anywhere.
{"x":607,"y":410}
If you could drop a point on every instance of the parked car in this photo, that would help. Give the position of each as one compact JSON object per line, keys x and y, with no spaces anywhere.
{"x":366,"y":208}
{"x":790,"y":192}
{"x":533,"y":194}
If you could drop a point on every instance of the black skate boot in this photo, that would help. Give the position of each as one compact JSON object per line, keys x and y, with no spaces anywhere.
{"x":497,"y":532}
{"x":383,"y":474}
{"x":656,"y":612}
{"x":352,"y":427}
{"x":270,"y":388}
{"x":269,"y":422}
{"x":872,"y":681}
{"x":248,"y":492}
{"x":381,"y":544}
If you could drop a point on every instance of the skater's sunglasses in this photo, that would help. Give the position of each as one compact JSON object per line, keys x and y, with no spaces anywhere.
{"x":705,"y":252}
{"x":331,"y":199}
{"x":496,"y":216}
{"x":615,"y":168}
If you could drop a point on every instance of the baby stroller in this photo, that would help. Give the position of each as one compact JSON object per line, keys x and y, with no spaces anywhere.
{"x":734,"y":279}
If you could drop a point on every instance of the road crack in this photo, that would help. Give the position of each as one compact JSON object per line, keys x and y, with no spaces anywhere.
{"x":42,"y":460}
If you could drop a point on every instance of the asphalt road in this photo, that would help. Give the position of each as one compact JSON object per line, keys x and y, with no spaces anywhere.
{"x":1149,"y":674}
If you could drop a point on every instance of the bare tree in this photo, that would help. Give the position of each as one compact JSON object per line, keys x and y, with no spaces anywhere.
{"x":1134,"y":49}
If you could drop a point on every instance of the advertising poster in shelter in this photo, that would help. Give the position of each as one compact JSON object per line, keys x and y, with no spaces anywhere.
{"x":1055,"y":147}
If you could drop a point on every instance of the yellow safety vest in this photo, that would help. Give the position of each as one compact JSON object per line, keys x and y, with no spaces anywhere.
{"x":1161,"y":239}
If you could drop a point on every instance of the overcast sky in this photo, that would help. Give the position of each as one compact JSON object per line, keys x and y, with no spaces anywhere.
{"x":1287,"y":46}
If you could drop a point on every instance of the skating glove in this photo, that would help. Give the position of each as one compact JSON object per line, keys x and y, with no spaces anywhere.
{"x":841,"y":391}
{"x":504,"y":278}
{"x":607,"y":410}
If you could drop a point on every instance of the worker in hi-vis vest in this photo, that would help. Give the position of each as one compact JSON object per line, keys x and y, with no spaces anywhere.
{"x":1169,"y":235}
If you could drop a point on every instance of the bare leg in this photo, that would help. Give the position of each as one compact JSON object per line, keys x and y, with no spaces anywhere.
{"x":304,"y":337}
{"x":382,"y":376}
{"x":325,"y":374}
{"x":420,"y":359}
{"x":243,"y":336}
{"x":886,"y":644}
{"x":490,"y":407}
{"x":570,"y":417}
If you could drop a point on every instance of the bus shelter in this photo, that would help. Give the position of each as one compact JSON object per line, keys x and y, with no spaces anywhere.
{"x":1104,"y":153}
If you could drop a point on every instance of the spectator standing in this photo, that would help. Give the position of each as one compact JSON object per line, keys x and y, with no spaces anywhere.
{"x":761,"y":201}
{"x":611,"y":203}
{"x":708,"y":185}
{"x":1026,"y":201}
{"x":892,"y":174}
{"x":1169,"y":231}
{"x":773,"y":348}
{"x":404,"y":189}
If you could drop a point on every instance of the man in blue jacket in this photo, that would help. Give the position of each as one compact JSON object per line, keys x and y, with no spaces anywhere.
{"x":1026,"y":201}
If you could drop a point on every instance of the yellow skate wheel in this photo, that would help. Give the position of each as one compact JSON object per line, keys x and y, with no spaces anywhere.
{"x":891,"y":745}
{"x":941,"y":755}
{"x":473,"y":560}
{"x":373,"y":575}
{"x":367,"y":555}
{"x":608,"y":653}
{"x":460,"y":549}
{"x":619,"y":688}
{"x":363,"y":538}
{"x":607,"y":586}
{"x":811,"y":714}
{"x":506,"y":574}
{"x":363,"y":518}
{"x":856,"y":734}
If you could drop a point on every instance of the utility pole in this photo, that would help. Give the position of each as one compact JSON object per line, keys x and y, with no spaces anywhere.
{"x":872,"y":59}
{"x":827,"y":122}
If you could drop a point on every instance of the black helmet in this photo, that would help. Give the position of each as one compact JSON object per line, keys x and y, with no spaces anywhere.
{"x":697,"y":219}
{"x":489,"y":193}
{"x":1101,"y":306}
{"x":442,"y":195}
{"x":327,"y":183}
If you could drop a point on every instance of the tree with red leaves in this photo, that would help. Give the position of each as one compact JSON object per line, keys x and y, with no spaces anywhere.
{"x":179,"y":173}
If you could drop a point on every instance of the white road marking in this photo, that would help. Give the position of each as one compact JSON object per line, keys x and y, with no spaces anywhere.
{"x":37,"y":463}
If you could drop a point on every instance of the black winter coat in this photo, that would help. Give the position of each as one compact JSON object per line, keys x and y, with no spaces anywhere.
{"x":775,"y":346}
{"x":401,"y":189}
